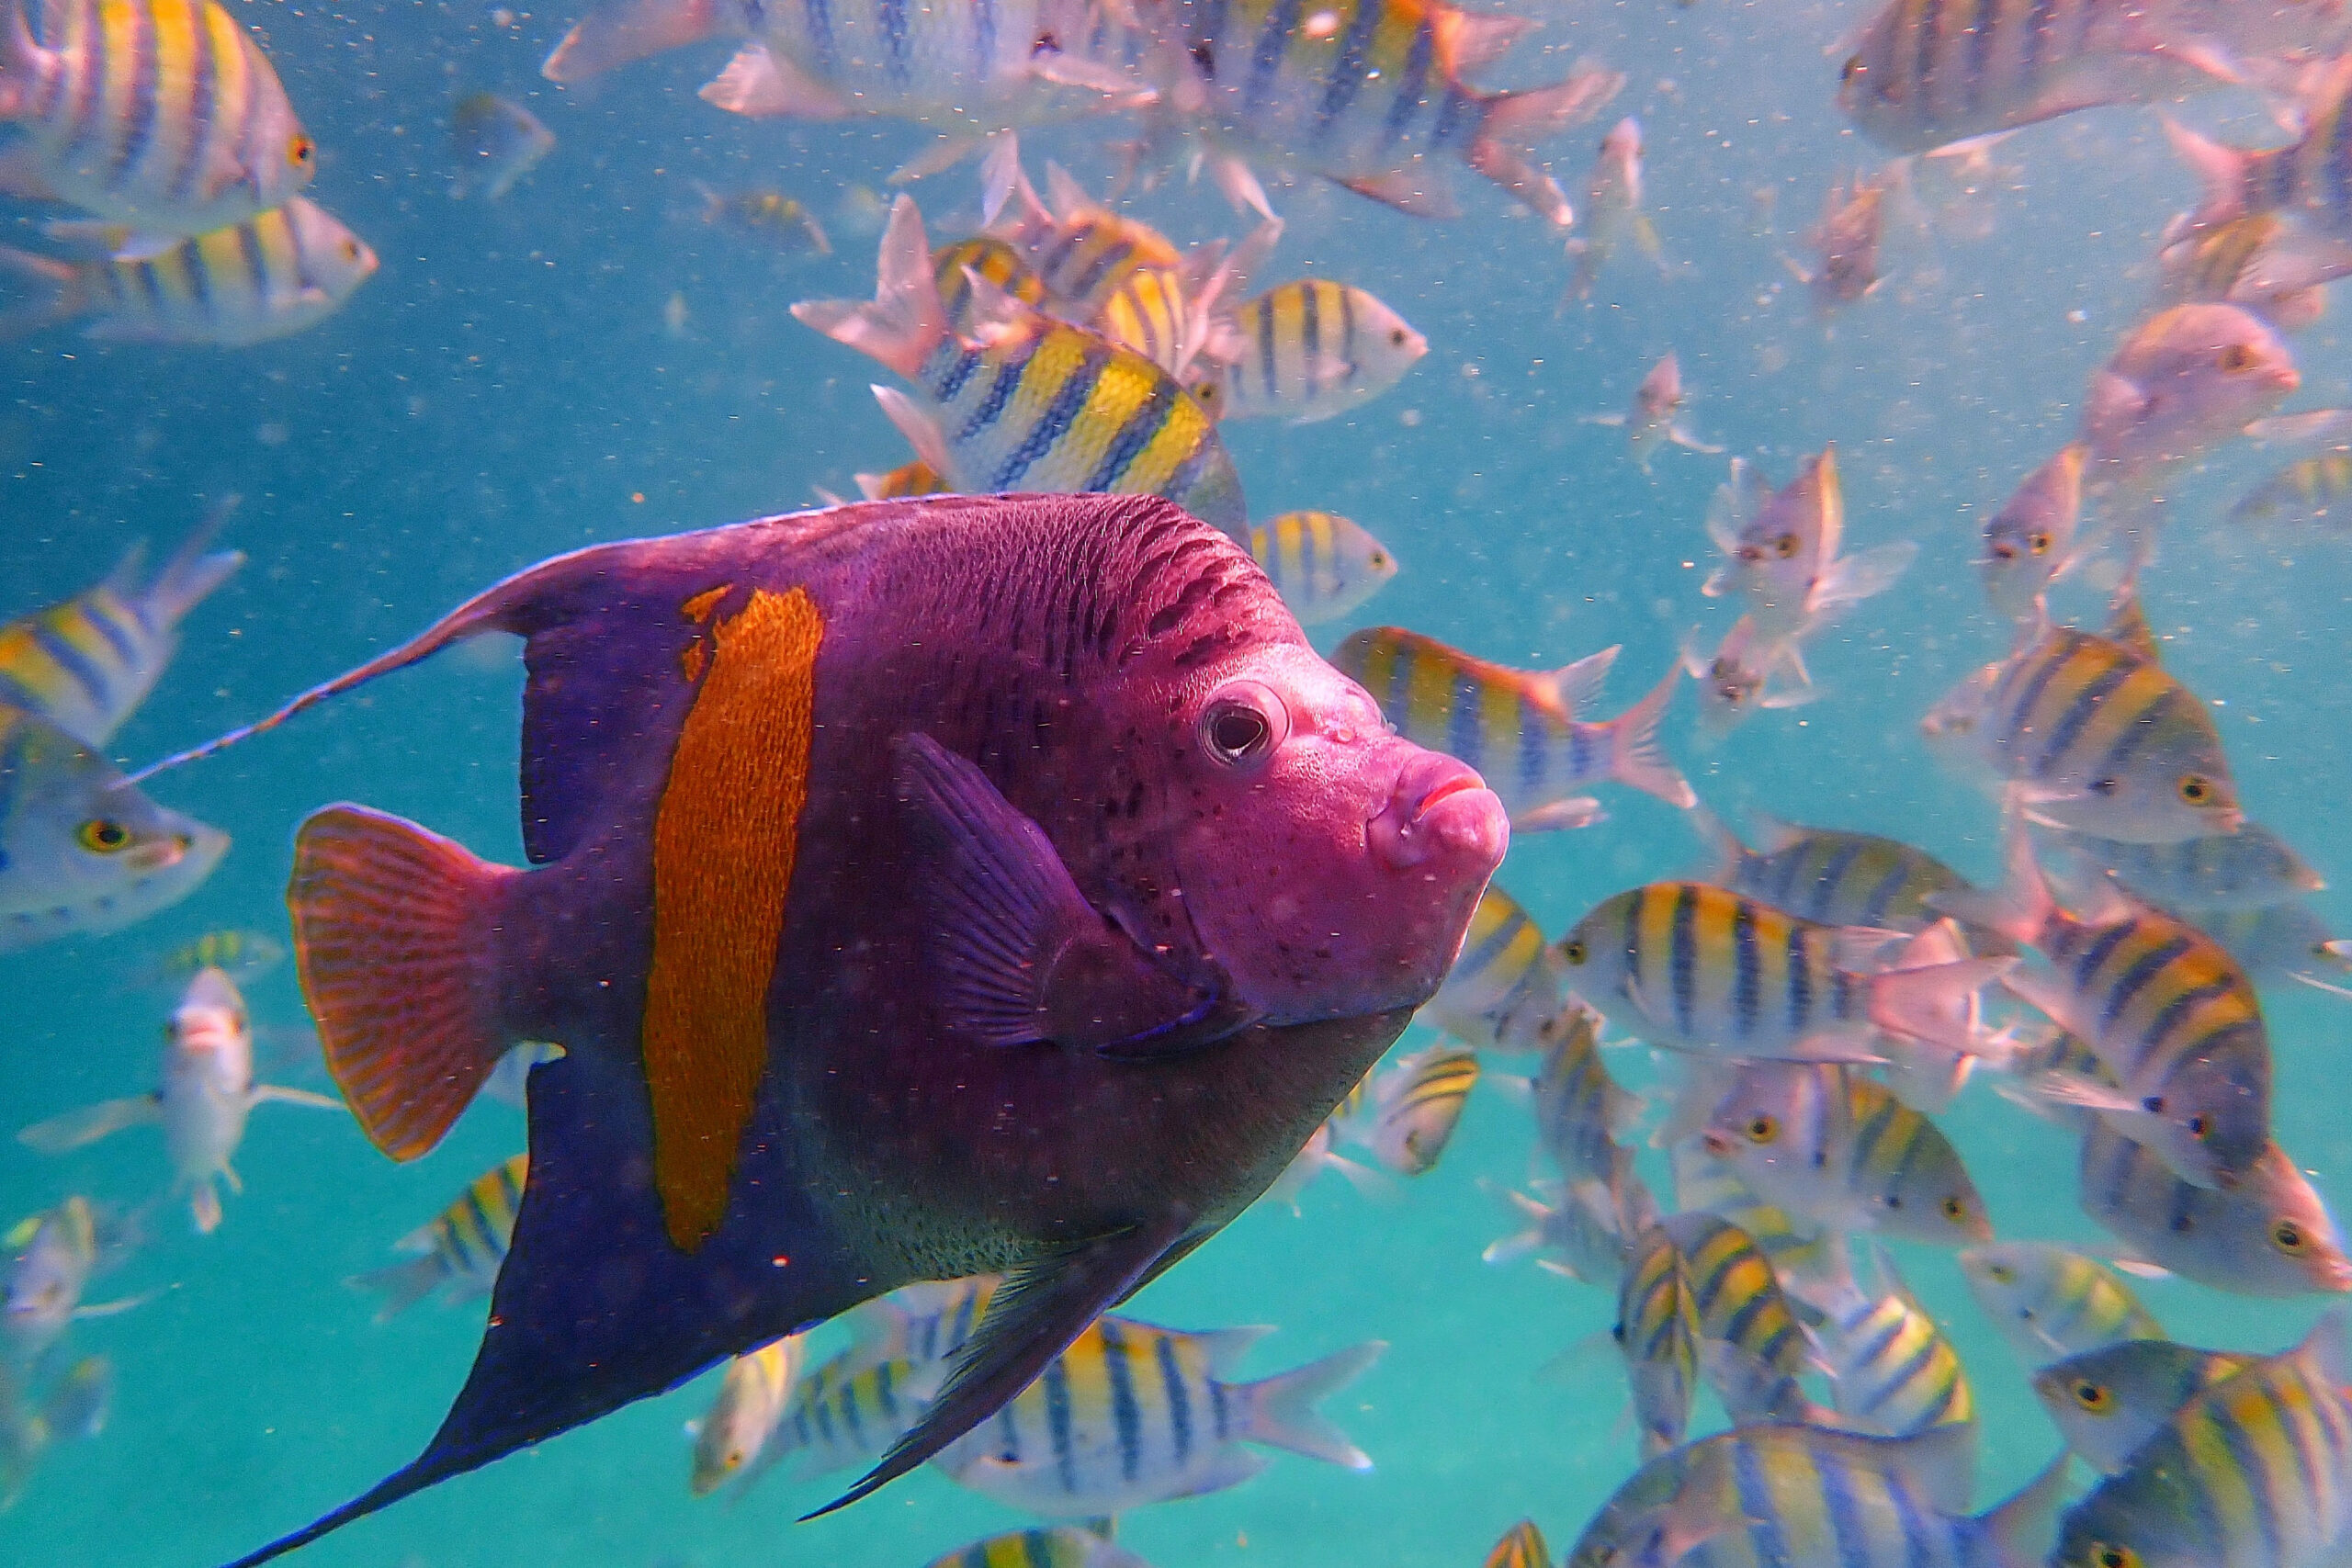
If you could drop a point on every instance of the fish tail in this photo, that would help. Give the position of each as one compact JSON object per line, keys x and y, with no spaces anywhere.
{"x":2022,"y":1530}
{"x":905,"y":319}
{"x":1517,"y":121}
{"x":1937,"y":1003}
{"x":191,"y":574}
{"x":631,"y":29}
{"x":2018,"y":909}
{"x":60,"y":290}
{"x":1726,"y":853}
{"x":1635,"y":757}
{"x":21,"y":61}
{"x":404,"y":1284}
{"x":1282,"y":1409}
{"x":393,"y":938}
{"x":2220,"y":169}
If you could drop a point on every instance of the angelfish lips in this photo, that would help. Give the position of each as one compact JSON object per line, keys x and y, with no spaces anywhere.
{"x":1441,"y":817}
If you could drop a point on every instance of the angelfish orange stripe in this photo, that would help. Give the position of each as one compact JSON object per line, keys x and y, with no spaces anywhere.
{"x":724,"y":840}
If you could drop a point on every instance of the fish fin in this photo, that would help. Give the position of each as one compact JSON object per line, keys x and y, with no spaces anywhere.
{"x":394,"y":938}
{"x":63,"y":291}
{"x":2020,"y":1531}
{"x":2220,"y":171}
{"x":942,"y":156}
{"x":627,"y":30}
{"x":1033,"y":1318}
{"x":905,"y":319}
{"x":1727,"y":853}
{"x":191,"y":574}
{"x":1472,"y":42}
{"x":404,"y":1284}
{"x":1683,"y":438}
{"x":2017,"y":910}
{"x":114,"y":1308}
{"x":758,"y":83}
{"x":139,"y":245}
{"x":1516,"y":121}
{"x":268,"y":1093}
{"x":1073,"y":71}
{"x":60,"y":1135}
{"x":999,"y":176}
{"x":2317,"y":428}
{"x":1240,"y":188}
{"x":1854,"y":578}
{"x":1573,"y":689}
{"x":1613,"y":421}
{"x":1025,"y":956}
{"x":1635,"y":758}
{"x":1935,"y":1002}
{"x":1282,"y":1409}
{"x":1223,"y":1348}
{"x":204,"y":1206}
{"x":1422,"y":195}
{"x":21,"y":1234}
{"x":1560,"y":816}
{"x":920,"y":430}
{"x":20,"y":62}
{"x":1738,"y":502}
{"x":1847,"y":1047}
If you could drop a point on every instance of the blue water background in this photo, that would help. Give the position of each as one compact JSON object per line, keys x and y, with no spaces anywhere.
{"x":507,"y":388}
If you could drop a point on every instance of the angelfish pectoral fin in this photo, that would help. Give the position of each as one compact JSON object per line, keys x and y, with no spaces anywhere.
{"x":1032,"y":1319}
{"x":1025,"y":957}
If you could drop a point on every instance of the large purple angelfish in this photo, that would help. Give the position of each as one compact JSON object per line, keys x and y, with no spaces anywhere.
{"x":918,"y":889}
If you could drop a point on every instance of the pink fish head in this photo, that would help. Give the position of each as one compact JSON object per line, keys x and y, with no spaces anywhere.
{"x":1329,"y":867}
{"x":2188,"y":379}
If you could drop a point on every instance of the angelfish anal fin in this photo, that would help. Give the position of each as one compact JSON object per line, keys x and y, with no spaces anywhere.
{"x":1033,"y":1318}
{"x":1023,"y":956}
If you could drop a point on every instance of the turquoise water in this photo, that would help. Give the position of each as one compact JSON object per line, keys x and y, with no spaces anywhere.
{"x":511,"y":386}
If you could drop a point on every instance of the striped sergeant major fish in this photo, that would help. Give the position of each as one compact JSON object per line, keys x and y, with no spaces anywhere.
{"x":1788,"y":1495}
{"x":1580,"y":1111}
{"x":2185,"y":382}
{"x":2261,"y":261}
{"x":2269,"y":1235}
{"x":962,"y":66}
{"x":2250,"y":869}
{"x":1839,"y":1152}
{"x":286,"y":270}
{"x":458,"y":1252}
{"x":2090,"y":733}
{"x":2107,"y":1402}
{"x":161,"y":115}
{"x":1370,"y":94}
{"x":843,"y":1415}
{"x":54,"y":1255}
{"x":1305,"y":351}
{"x":1890,"y":1370}
{"x":2255,"y":1470}
{"x":1690,"y":966}
{"x":991,"y":259}
{"x":1751,"y":1347}
{"x":1132,"y":1414}
{"x":1325,"y":566}
{"x":2163,"y":1006}
{"x":2304,"y":180}
{"x":1082,"y":253}
{"x":1657,"y":1332}
{"x":1828,"y":875}
{"x":1405,"y":1112}
{"x":1522,"y":1546}
{"x":83,"y":850}
{"x":1520,"y":728}
{"x":2050,"y":1302}
{"x":1921,"y":74}
{"x":753,"y":1393}
{"x":1583,"y":1230}
{"x":1612,"y":209}
{"x":2309,"y":494}
{"x":920,"y":1323}
{"x":244,"y":955}
{"x":86,"y":664}
{"x":1024,"y":402}
{"x":1062,"y":1546}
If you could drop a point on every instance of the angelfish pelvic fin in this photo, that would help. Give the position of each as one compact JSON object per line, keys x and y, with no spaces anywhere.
{"x":1034,"y":1317}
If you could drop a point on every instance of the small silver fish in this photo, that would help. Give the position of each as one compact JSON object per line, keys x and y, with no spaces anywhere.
{"x":1656,"y":414}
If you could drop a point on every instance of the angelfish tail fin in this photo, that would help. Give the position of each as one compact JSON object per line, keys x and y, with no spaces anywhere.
{"x":393,"y":937}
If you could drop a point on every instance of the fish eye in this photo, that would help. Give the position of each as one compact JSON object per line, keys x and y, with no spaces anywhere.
{"x":1954,"y":1210}
{"x":2287,"y":1235}
{"x":2105,"y":1555}
{"x":103,"y":836}
{"x":1396,"y":337}
{"x":2091,"y":1396}
{"x":1243,"y":723}
{"x":1762,"y":1128}
{"x":2199,"y":1126}
{"x":1785,"y":546}
{"x":2040,"y":541}
{"x":351,"y":250}
{"x":2002,"y":1273}
{"x":2196,"y":789}
{"x":1378,"y":559}
{"x":1573,"y":951}
{"x":300,"y":151}
{"x":2237,"y":356}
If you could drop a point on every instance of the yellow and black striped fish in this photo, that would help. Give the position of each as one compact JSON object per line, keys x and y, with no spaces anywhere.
{"x":1406,"y":1113}
{"x":1031,"y":403}
{"x":1657,"y":1332}
{"x":1890,"y":1369}
{"x":1831,"y":876}
{"x":1520,"y":728}
{"x":161,"y":115}
{"x":289,"y":269}
{"x":1324,"y":565}
{"x":2050,"y":1302}
{"x":85,"y":664}
{"x":2312,"y":493}
{"x":1522,"y":1546}
{"x":993,"y":260}
{"x":1504,"y":989}
{"x":1063,"y":1546}
{"x":1305,"y":351}
{"x":2269,"y":1235}
{"x":1133,"y":1413}
{"x":1740,"y":1307}
{"x":243,"y":955}
{"x":459,"y":1250}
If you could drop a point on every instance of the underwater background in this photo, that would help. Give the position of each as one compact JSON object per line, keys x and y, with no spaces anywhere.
{"x":520,"y":378}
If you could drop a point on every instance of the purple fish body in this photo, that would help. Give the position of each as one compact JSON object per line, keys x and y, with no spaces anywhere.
{"x":918,"y":889}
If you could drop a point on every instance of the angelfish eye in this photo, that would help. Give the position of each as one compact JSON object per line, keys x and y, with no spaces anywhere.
{"x":1954,"y":1210}
{"x":1243,"y":723}
{"x":2041,"y":542}
{"x":2196,"y":789}
{"x":1573,"y":951}
{"x":1785,"y":546}
{"x":2106,"y":1556}
{"x":2237,"y":356}
{"x":299,"y":150}
{"x":1762,"y":1128}
{"x":2090,"y":1395}
{"x":103,"y":835}
{"x":2288,"y":1235}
